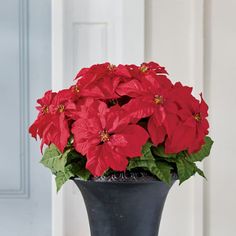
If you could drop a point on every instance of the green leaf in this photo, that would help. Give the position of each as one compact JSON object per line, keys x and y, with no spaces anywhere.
{"x":77,"y":164}
{"x":164,"y":169}
{"x":62,"y":177}
{"x":78,"y":169}
{"x":54,"y":159}
{"x":200,"y":172}
{"x":71,"y":170}
{"x":146,"y":152}
{"x":65,"y":165}
{"x":161,"y":170}
{"x":186,"y":169}
{"x":74,"y":156}
{"x":160,"y":152}
{"x":204,"y":152}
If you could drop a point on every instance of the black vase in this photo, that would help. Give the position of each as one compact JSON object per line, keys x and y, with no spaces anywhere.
{"x":124,"y":206}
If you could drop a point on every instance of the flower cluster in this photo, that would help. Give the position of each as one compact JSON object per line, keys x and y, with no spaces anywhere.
{"x":112,"y":111}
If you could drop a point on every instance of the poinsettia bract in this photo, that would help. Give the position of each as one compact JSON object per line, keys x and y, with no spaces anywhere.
{"x":111,"y":114}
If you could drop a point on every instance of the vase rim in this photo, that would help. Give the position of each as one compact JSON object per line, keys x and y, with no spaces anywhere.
{"x":124,"y":178}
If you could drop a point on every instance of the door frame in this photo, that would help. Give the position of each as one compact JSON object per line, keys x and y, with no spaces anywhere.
{"x":57,"y":84}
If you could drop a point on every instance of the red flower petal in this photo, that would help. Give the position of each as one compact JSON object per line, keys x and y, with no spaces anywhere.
{"x":96,"y":160}
{"x":156,"y":130}
{"x":61,"y":133}
{"x":181,"y":139}
{"x":138,"y":108}
{"x":130,"y":141}
{"x":116,"y":161}
{"x":86,"y":134}
{"x":122,"y":70}
{"x":155,"y":67}
{"x":132,"y":88}
{"x":203,"y":107}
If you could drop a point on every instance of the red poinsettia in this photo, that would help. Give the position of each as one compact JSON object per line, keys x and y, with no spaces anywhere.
{"x":146,"y":70}
{"x":98,"y":71}
{"x":112,"y":111}
{"x":107,"y":138}
{"x":55,"y":110}
{"x":189,"y":134}
{"x":42,"y":122}
{"x":152,"y":97}
{"x":100,"y":81}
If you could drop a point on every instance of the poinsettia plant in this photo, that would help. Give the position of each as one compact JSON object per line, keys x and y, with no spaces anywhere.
{"x":122,"y":118}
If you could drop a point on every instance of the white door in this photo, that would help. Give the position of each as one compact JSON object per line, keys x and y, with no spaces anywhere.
{"x":25,"y":188}
{"x":195,"y":40}
{"x":92,"y":32}
{"x":87,"y":32}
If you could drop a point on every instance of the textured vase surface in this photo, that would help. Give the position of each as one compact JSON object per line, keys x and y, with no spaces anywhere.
{"x":124,"y":206}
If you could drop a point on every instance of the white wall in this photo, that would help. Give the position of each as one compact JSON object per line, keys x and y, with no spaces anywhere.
{"x":196,"y":41}
{"x":174,"y":38}
{"x":220,"y":84}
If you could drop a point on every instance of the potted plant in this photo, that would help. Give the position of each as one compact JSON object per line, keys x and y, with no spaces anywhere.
{"x":124,"y":134}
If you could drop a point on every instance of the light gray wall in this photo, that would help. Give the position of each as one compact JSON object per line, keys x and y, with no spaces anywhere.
{"x":25,"y":72}
{"x":189,"y":36}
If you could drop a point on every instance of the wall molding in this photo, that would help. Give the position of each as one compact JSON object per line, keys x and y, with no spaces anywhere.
{"x":175,"y":35}
{"x":123,"y":46}
{"x":23,"y":190}
{"x":57,"y":84}
{"x":197,"y":81}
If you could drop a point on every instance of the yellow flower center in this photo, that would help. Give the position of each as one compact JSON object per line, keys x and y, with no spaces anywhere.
{"x":111,"y":67}
{"x":104,"y":136}
{"x":197,"y":117}
{"x":61,"y":108}
{"x":143,"y":68}
{"x":158,"y":99}
{"x":45,"y":110}
{"x":76,"y":88}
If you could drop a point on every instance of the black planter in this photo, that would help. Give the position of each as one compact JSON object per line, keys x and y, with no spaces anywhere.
{"x":124,"y":206}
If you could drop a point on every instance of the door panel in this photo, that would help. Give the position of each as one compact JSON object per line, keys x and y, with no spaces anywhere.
{"x":11,"y":91}
{"x":93,"y":32}
{"x":99,"y":31}
{"x":25,"y":187}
